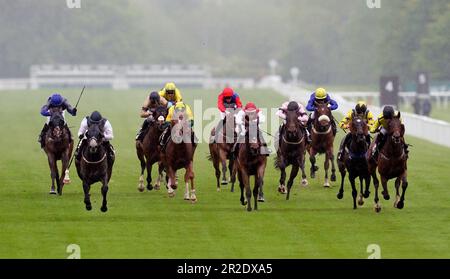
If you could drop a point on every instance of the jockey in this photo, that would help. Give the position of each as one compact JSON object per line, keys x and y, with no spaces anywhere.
{"x":321,"y":96}
{"x":255,"y":116}
{"x":381,"y":126}
{"x":105,"y":128}
{"x":153,"y":101}
{"x":54,"y":102}
{"x":227,"y":101}
{"x":301,"y":113}
{"x":174,"y":112}
{"x":360,"y":110}
{"x":171,"y":93}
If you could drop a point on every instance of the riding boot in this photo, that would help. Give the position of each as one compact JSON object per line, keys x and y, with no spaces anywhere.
{"x":42,"y":134}
{"x":264,"y":150}
{"x":77,"y":153}
{"x":164,"y":138}
{"x":140,"y":135}
{"x":379,"y":143}
{"x":344,"y":143}
{"x":280,"y":132}
{"x":235,"y":148}
{"x":309,"y":124}
{"x":308,"y":136}
{"x":368,"y":140}
{"x":111,"y":153}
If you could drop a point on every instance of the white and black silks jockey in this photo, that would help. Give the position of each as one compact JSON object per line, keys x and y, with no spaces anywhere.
{"x":105,"y":127}
{"x":54,"y":103}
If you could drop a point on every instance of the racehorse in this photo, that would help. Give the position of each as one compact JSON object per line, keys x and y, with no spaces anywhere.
{"x":250,"y":162}
{"x":58,"y":145}
{"x":147,"y":150}
{"x":179,"y":153}
{"x":322,"y":141}
{"x":93,"y":166}
{"x":292,"y":150}
{"x":391,"y":162}
{"x":354,"y":161}
{"x":220,"y":150}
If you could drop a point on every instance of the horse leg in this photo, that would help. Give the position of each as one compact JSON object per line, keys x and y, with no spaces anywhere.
{"x":326,"y":165}
{"x":260,"y":183}
{"x":141,"y":158}
{"x":241,"y":185}
{"x":360,"y":196}
{"x":193,"y":196}
{"x":171,"y":182}
{"x":340,"y":195}
{"x":354,"y":191}
{"x":87,"y":200}
{"x":376,"y":185}
{"x":312,"y":159}
{"x":248,"y":191}
{"x":385,"y":192}
{"x":64,"y":178}
{"x":217,"y":171}
{"x":401,"y":202}
{"x":160,"y":176}
{"x":57,"y":179}
{"x":105,"y":188}
{"x":294,"y":172}
{"x":223,"y":160}
{"x":149,"y":175}
{"x":282,"y":187}
{"x":333,"y":167}
{"x":366,"y":191}
{"x":233,"y":174}
{"x":302,"y":168}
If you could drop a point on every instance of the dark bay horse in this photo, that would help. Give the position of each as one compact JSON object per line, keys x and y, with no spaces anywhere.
{"x":322,"y":141}
{"x":354,"y":161}
{"x":178,"y":154}
{"x":391,"y":162}
{"x":58,"y":145}
{"x":93,"y":165}
{"x":250,"y":162}
{"x":292,"y":151}
{"x":220,"y":150}
{"x":147,"y":150}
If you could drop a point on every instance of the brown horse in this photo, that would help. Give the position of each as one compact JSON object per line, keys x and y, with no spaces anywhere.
{"x":391,"y":162}
{"x":354,"y":161}
{"x":292,"y":150}
{"x":58,"y":145}
{"x":250,"y":162}
{"x":178,"y":154}
{"x":93,"y":166}
{"x":322,"y":141}
{"x":147,"y":149}
{"x":220,"y":150}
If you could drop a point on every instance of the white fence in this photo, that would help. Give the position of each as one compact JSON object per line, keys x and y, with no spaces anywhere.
{"x":426,"y":128}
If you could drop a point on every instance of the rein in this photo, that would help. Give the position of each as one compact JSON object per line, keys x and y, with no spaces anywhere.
{"x":294,"y":143}
{"x":321,"y":133}
{"x":96,"y":162}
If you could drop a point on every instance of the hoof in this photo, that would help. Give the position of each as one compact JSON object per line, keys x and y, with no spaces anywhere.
{"x":304,"y":182}
{"x":193,"y":199}
{"x":282,"y":189}
{"x":360,"y":201}
{"x":366,"y":194}
{"x":104,"y":209}
{"x":218,"y":189}
{"x":171,"y":194}
{"x":186,"y":197}
{"x":52,"y":192}
{"x":149,"y":187}
{"x":377,"y":208}
{"x":313,"y":175}
{"x":333,"y":177}
{"x":249,"y":209}
{"x":67,"y":181}
{"x":175,"y":186}
{"x":400,"y":205}
{"x":340,"y":195}
{"x":261,"y":199}
{"x":386,"y":197}
{"x":224,"y":182}
{"x":88,"y":207}
{"x":326,"y":185}
{"x":157,"y":187}
{"x":141,"y":189}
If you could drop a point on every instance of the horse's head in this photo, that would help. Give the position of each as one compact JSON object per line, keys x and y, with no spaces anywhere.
{"x":396,"y":129}
{"x":254,"y":145}
{"x":359,"y":129}
{"x":160,"y":115}
{"x":322,"y":115}
{"x":56,"y":124}
{"x":292,"y":125}
{"x":95,"y":137}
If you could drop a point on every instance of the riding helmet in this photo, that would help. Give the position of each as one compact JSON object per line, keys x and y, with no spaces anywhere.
{"x":320,"y":93}
{"x":361,"y":107}
{"x":292,"y":106}
{"x":388,"y":112}
{"x":95,"y":117}
{"x":56,"y":99}
{"x":227,"y":92}
{"x":154,"y":96}
{"x":170,"y":86}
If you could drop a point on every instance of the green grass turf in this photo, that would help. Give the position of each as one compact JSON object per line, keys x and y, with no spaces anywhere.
{"x":441,"y":113}
{"x":313,"y":224}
